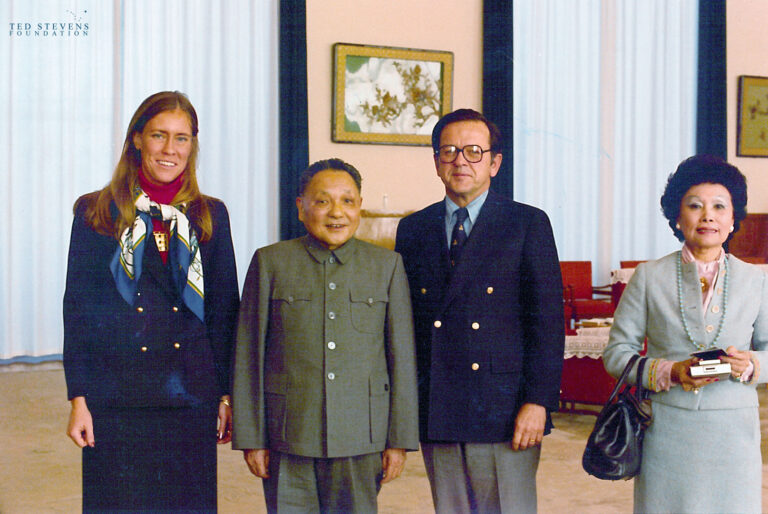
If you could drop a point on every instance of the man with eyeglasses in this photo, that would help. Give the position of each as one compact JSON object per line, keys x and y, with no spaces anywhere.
{"x":487,"y":302}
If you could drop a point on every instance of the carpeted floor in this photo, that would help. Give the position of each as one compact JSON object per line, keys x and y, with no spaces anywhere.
{"x":40,"y":466}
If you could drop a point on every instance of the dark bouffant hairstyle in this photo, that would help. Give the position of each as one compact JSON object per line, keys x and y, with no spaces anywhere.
{"x":329,"y":164}
{"x":466,"y":115}
{"x":704,"y":169}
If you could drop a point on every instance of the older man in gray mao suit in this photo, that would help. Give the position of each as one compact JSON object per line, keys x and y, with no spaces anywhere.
{"x":325,"y":401}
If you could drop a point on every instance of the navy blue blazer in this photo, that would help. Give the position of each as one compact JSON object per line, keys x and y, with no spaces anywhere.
{"x":490,"y":337}
{"x":155,"y":352}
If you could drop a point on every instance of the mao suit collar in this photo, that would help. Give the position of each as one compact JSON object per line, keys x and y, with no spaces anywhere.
{"x":321,"y":253}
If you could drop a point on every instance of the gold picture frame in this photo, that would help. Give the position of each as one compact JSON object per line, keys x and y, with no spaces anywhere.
{"x":752,"y":130}
{"x":387,"y":95}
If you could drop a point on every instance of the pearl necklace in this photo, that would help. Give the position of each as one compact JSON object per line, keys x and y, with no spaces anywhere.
{"x":682,"y":310}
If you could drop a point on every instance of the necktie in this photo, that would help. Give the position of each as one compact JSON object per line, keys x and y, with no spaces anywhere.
{"x":459,"y":235}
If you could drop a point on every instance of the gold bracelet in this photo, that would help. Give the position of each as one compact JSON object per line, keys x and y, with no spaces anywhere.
{"x":226,"y":402}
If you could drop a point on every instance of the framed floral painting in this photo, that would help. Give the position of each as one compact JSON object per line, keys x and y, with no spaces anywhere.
{"x":389,"y":95}
{"x":752,"y":130}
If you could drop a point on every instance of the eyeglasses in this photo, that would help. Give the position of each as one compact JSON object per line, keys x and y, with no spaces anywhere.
{"x":472,"y":153}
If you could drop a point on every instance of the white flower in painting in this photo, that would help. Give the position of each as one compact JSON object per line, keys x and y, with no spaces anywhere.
{"x":379,"y":85}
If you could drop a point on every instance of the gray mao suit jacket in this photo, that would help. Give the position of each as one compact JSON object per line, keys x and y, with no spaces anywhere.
{"x":325,"y":363}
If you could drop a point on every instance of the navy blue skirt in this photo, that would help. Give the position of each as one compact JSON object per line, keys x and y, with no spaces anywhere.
{"x":151,"y":459}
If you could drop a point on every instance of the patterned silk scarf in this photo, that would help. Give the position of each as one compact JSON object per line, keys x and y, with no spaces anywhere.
{"x":184,"y":253}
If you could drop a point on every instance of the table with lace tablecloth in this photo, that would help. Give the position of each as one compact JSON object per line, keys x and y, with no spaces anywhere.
{"x":588,"y":342}
{"x":584,"y":377}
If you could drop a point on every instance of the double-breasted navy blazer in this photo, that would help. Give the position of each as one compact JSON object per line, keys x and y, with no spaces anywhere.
{"x":155,"y":352}
{"x":489,"y":338}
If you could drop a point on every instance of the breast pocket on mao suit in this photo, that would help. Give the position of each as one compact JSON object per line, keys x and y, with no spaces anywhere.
{"x":289,"y":306}
{"x":368,"y":309}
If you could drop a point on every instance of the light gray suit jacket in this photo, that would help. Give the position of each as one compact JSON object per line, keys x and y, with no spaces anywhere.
{"x":325,"y":363}
{"x":650,"y":307}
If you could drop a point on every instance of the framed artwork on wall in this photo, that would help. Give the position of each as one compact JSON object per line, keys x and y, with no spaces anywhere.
{"x":386,"y":95}
{"x":752,"y":130}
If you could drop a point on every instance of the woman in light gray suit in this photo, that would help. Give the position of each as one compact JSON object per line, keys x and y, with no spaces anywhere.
{"x":702,"y":450}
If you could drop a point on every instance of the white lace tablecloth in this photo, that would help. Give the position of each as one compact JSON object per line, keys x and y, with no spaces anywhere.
{"x":588,"y":342}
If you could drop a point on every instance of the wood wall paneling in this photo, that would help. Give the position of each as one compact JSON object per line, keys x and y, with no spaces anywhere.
{"x":750,"y":243}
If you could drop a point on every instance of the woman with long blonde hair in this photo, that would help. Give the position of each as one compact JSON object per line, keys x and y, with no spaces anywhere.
{"x":149,"y":313}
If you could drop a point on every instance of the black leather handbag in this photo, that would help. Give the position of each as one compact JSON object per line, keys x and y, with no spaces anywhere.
{"x":614,"y":448}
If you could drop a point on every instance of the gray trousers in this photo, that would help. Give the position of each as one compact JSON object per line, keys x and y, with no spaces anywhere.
{"x":315,"y":485}
{"x":481,"y":477}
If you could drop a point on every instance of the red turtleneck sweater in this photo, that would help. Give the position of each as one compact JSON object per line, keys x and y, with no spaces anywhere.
{"x":161,"y":193}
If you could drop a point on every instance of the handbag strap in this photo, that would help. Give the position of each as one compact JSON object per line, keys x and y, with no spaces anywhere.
{"x":639,"y":389}
{"x":625,"y":374}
